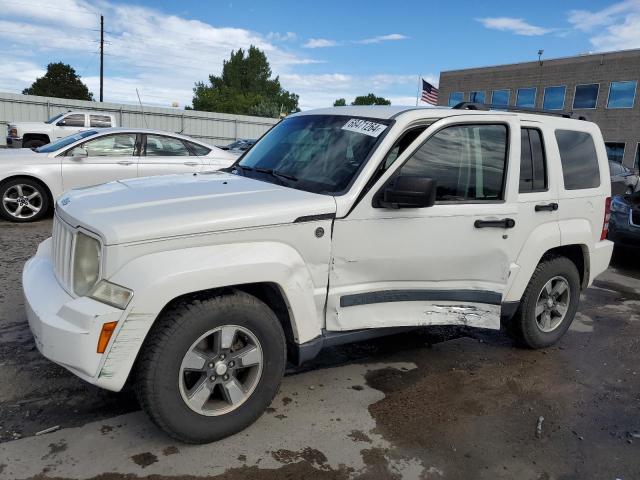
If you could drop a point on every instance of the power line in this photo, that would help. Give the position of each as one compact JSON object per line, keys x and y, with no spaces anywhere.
{"x":101,"y":56}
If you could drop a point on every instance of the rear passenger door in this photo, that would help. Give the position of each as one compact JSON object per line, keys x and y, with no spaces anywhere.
{"x":163,"y":155}
{"x":537,"y":202}
{"x":100,"y":121}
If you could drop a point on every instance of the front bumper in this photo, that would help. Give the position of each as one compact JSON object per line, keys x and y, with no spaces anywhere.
{"x":13,"y":142}
{"x":65,"y":329}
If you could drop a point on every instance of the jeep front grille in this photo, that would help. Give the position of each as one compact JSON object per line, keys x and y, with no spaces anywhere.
{"x":634,"y":219}
{"x":62,"y":237}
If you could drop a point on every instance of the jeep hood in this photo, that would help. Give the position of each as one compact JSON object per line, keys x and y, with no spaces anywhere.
{"x":172,"y":205}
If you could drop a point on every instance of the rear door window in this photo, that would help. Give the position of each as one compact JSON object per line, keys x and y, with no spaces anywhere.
{"x":100,"y":121}
{"x":579,"y":160}
{"x":533,"y":168}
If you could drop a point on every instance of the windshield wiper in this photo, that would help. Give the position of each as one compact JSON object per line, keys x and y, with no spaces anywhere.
{"x":277,"y":174}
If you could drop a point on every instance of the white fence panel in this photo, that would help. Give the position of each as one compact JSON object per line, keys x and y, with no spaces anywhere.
{"x":210,"y":127}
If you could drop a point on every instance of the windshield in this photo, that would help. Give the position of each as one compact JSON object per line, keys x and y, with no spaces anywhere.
{"x":64,"y":141}
{"x":316,"y":153}
{"x":54,"y":118}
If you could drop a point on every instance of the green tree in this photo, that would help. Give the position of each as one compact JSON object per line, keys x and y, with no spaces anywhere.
{"x":340,"y":102}
{"x":60,"y":81}
{"x":245,"y":88}
{"x":370,"y":99}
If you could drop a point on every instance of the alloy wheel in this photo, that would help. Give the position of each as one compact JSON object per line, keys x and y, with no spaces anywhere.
{"x":221,"y":370}
{"x":22,"y":201}
{"x":552,"y":304}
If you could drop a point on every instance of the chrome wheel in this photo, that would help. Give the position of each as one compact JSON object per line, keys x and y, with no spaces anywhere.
{"x":22,"y":201}
{"x":221,"y":370}
{"x":553,"y":304}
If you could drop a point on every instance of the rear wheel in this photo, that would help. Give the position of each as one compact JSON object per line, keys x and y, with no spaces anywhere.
{"x":211,"y":367}
{"x":548,"y":305}
{"x":23,"y":200}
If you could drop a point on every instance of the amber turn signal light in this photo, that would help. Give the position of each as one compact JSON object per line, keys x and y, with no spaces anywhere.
{"x":105,"y":335}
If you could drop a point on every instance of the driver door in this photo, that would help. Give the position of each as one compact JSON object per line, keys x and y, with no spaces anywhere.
{"x":101,"y":160}
{"x":446,"y":264}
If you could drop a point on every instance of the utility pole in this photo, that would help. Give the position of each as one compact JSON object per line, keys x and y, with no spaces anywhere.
{"x":101,"y":55}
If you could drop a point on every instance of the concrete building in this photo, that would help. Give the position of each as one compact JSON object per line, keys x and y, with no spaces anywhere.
{"x":601,"y":87}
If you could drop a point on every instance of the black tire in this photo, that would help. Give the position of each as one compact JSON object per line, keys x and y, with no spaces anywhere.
{"x":158,"y":374}
{"x":523,"y":327}
{"x":33,"y":144}
{"x":8,"y":209}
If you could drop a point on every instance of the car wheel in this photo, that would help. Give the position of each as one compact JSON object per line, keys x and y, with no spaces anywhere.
{"x":23,"y":200}
{"x":548,"y":305}
{"x":33,"y":144}
{"x":211,"y":366}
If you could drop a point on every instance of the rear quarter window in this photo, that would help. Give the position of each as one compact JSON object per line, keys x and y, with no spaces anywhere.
{"x":579,"y":160}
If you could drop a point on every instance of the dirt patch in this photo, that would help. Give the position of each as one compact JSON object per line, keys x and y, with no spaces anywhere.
{"x":359,"y":436}
{"x":308,"y":454}
{"x":144,"y":459}
{"x":171,"y":450}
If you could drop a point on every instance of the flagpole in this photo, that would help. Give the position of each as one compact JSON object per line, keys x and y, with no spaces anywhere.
{"x":419,"y":85}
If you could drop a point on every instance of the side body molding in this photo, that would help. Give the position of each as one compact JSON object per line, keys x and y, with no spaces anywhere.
{"x":156,"y":281}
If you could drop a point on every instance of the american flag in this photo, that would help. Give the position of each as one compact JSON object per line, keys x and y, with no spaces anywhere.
{"x":429,"y":93}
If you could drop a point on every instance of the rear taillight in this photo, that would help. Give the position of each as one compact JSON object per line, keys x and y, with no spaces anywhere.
{"x":607,"y":217}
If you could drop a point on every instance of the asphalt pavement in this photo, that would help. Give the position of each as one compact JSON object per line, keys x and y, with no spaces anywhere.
{"x":448,"y":403}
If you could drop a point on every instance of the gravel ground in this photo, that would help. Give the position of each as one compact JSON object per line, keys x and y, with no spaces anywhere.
{"x":447,"y":403}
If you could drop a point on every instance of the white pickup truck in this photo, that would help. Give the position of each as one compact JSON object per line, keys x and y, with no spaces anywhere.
{"x":36,"y":134}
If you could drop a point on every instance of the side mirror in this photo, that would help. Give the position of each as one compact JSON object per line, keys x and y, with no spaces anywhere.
{"x":61,"y":123}
{"x":78,"y":153}
{"x":409,"y":192}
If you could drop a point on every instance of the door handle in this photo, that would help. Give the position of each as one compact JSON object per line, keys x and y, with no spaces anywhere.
{"x":125,"y":162}
{"x":504,"y":223}
{"x":550,"y":207}
{"x":191,"y":164}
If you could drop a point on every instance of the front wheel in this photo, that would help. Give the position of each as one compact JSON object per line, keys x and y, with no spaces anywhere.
{"x":211,"y":367}
{"x":23,"y":200}
{"x":548,"y":305}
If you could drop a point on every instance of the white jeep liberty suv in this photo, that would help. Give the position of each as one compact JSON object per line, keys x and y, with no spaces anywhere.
{"x":340,"y":224}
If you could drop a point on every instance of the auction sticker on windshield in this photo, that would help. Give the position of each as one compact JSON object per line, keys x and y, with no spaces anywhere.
{"x":364,"y":126}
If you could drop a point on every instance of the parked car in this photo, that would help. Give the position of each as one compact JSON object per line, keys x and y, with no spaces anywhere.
{"x":31,"y":180}
{"x":36,"y":134}
{"x":624,"y":226}
{"x":339,"y":225}
{"x":240,"y":146}
{"x":623,"y":179}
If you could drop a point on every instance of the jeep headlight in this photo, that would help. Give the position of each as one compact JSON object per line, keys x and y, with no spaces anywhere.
{"x":111,"y":294}
{"x":620,"y":207}
{"x":86,"y":264}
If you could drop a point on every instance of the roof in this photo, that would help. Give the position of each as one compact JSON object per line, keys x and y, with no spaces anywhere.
{"x":390,"y":112}
{"x":147,"y":130}
{"x":383,"y":112}
{"x":634,"y":52}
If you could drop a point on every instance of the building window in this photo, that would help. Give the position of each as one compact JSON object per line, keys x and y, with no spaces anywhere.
{"x":622,"y":94}
{"x":615,"y":151}
{"x":554,"y":98}
{"x":586,"y":96}
{"x":526,"y":97}
{"x":476,"y":97}
{"x":455,"y":98}
{"x":500,"y":98}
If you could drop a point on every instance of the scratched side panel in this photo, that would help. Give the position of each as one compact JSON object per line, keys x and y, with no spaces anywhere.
{"x":418,"y":313}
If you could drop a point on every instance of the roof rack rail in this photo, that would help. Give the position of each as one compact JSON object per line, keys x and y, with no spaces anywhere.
{"x":510,"y":108}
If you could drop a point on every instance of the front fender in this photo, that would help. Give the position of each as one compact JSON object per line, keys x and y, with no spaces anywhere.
{"x":160,"y":277}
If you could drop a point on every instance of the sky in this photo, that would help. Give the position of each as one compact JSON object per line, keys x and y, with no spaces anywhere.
{"x":320,"y":50}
